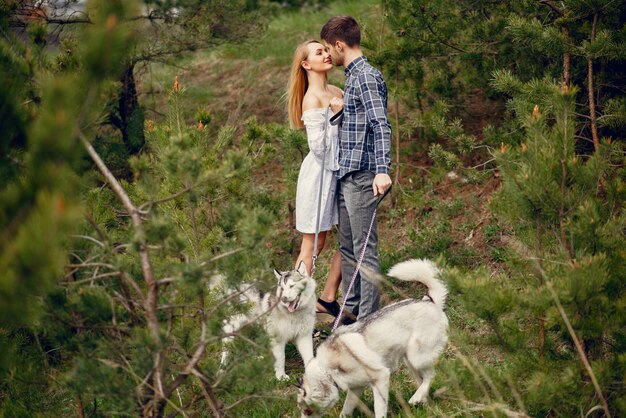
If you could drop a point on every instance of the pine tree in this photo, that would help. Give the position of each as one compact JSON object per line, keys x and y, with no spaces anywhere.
{"x":555,"y":312}
{"x":39,"y":205}
{"x":560,"y":315}
{"x":104,"y":295}
{"x":148,"y":279}
{"x":440,"y":58}
{"x":585,"y":39}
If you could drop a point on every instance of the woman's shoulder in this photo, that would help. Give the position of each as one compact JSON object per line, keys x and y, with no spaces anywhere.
{"x":336,"y":90}
{"x":310,"y":102}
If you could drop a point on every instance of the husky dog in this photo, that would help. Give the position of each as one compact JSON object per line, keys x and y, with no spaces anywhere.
{"x":364,"y":353}
{"x":287,"y":315}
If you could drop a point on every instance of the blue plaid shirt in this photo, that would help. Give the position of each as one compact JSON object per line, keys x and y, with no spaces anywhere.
{"x":364,"y":133}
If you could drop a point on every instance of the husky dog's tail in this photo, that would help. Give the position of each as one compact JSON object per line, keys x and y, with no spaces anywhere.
{"x":425,"y":272}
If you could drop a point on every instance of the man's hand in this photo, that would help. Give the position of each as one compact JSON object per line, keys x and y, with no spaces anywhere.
{"x":382,"y":182}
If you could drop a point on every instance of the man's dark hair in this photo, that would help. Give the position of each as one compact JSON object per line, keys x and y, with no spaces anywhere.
{"x":342,"y":28}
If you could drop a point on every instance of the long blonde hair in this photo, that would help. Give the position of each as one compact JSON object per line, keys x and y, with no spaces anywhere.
{"x":298,"y":84}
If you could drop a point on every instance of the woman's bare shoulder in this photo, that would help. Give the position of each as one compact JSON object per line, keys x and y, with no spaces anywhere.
{"x":311,"y":101}
{"x":336,"y":90}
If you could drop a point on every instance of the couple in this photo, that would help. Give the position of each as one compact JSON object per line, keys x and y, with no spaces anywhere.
{"x":356,"y":163}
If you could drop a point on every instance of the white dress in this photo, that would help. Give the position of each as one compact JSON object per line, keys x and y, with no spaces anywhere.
{"x":310,"y":171}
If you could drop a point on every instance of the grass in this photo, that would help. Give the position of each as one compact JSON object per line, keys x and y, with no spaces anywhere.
{"x":235,"y":81}
{"x":289,"y":29}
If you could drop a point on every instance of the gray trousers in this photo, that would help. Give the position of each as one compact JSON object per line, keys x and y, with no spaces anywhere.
{"x":356,"y":206}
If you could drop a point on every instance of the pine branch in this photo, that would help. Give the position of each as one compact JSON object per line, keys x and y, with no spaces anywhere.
{"x":151,"y":299}
{"x":216,"y":406}
{"x":91,"y":264}
{"x":552,"y":6}
{"x":128,"y":304}
{"x":188,"y":405}
{"x":566,"y":60}
{"x":443,"y":41}
{"x":79,"y":407}
{"x":195,"y":358}
{"x":148,"y":205}
{"x":102,"y":276}
{"x":116,"y":328}
{"x":96,"y":227}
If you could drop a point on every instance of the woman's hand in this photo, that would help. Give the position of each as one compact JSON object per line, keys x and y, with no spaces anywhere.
{"x":336,"y":104}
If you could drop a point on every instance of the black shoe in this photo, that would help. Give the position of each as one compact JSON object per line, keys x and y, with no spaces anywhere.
{"x":332,"y":308}
{"x":347,"y":318}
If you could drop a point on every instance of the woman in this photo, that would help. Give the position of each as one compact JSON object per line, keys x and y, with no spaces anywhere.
{"x":310,"y":95}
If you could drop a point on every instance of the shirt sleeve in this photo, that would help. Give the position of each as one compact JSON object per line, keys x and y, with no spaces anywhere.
{"x":374,"y":96}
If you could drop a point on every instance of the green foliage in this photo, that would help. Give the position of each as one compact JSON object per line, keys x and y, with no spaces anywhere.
{"x":39,"y":204}
{"x":560,"y":202}
{"x":14,"y":70}
{"x":615,"y":116}
{"x":558,"y":199}
{"x":446,"y":159}
{"x":88,"y":342}
{"x":216,"y":198}
{"x":193,"y":189}
{"x":203,"y":115}
{"x":67,"y":59}
{"x":442,"y":49}
{"x":531,"y":33}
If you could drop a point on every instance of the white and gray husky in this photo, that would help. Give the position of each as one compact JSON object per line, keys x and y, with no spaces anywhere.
{"x":287,"y":315}
{"x":365,"y":353}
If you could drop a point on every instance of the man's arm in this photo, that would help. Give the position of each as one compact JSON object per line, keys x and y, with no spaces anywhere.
{"x":373,"y":96}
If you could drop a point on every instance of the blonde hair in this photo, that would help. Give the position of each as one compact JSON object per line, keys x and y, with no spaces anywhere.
{"x":298,"y":84}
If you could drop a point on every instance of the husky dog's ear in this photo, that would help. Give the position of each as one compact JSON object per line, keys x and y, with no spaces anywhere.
{"x":278,"y":275}
{"x":302,"y":268}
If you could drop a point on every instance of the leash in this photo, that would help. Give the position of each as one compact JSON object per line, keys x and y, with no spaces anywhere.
{"x":319,"y":195}
{"x":359,"y":262}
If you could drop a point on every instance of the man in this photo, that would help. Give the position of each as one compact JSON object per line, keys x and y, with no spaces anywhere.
{"x":364,"y":159}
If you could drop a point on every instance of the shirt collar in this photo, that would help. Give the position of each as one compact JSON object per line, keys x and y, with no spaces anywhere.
{"x":354,"y":64}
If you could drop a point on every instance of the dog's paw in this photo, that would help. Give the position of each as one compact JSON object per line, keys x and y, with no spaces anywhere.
{"x":418,"y":398}
{"x":282,"y":377}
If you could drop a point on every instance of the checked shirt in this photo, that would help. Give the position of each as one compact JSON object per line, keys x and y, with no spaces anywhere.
{"x":365,"y":133}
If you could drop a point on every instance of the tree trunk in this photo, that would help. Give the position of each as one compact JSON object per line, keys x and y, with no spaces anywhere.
{"x":566,"y":60}
{"x":592,"y":102}
{"x":131,"y":115}
{"x":80,"y":409}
